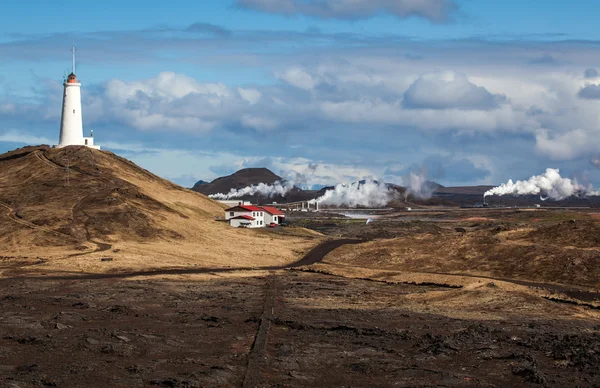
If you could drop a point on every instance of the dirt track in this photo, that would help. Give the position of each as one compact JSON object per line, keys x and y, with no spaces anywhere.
{"x":315,"y":255}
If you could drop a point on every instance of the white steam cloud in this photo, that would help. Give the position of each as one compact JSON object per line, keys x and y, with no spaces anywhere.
{"x":550,"y":184}
{"x":278,"y":188}
{"x":418,"y":186}
{"x":368,"y":193}
{"x":293,"y":179}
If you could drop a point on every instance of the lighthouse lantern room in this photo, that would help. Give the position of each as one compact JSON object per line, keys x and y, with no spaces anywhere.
{"x":71,"y":123}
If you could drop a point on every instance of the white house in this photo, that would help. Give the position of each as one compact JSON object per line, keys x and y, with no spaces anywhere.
{"x":247,"y":216}
{"x":273,"y":215}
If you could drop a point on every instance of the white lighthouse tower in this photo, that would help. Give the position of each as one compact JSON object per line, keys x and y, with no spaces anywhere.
{"x":71,"y":123}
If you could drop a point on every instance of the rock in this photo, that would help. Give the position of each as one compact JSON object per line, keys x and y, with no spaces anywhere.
{"x":122,"y":338}
{"x":27,"y":368}
{"x":530,"y":373}
{"x":61,"y":326}
{"x":164,"y":383}
{"x":82,"y":305}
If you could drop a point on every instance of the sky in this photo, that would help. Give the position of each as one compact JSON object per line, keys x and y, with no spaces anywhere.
{"x":465,"y":92}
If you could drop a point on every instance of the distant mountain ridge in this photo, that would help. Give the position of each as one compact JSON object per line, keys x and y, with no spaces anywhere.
{"x":200,"y":182}
{"x":238,"y":180}
{"x":441,"y":195}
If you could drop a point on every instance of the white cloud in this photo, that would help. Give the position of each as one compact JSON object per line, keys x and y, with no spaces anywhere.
{"x":378,"y":111}
{"x":253,"y":96}
{"x":297,"y":77}
{"x":167,"y":101}
{"x":261,"y":124}
{"x":449,"y":90}
{"x":568,"y":145}
{"x":18,"y":136}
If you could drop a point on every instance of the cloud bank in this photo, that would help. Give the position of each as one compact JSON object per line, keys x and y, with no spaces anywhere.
{"x":432,"y":10}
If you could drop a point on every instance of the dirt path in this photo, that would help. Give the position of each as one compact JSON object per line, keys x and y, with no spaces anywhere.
{"x":586,"y":296}
{"x":258,"y":351}
{"x":10,"y":214}
{"x":315,"y":255}
{"x":319,"y":252}
{"x":79,"y":205}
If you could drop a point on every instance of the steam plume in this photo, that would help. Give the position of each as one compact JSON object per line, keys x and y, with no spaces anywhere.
{"x":278,"y":188}
{"x":417,"y":185}
{"x":368,"y":193}
{"x":550,"y":184}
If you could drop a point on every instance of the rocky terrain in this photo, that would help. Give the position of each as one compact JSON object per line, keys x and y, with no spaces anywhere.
{"x":116,"y":277}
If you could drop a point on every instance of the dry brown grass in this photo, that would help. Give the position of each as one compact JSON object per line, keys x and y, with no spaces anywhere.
{"x":518,"y":254}
{"x":476,"y":299}
{"x":148,"y":221}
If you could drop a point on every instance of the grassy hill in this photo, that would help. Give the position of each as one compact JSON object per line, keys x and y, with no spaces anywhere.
{"x":106,"y":205}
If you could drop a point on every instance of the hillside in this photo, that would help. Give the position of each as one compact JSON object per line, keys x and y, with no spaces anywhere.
{"x":108,"y":205}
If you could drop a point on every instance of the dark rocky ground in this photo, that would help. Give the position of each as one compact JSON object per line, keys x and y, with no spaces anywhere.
{"x":277,"y":329}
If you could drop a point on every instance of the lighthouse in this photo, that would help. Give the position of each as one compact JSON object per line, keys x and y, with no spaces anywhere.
{"x":71,"y":122}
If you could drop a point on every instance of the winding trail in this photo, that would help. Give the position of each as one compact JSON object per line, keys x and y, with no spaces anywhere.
{"x":109,"y":186}
{"x":10,"y":214}
{"x":313,"y":256}
{"x":575,"y":293}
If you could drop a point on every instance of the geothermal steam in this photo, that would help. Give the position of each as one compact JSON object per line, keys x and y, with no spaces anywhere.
{"x":549,"y":185}
{"x":418,"y":186}
{"x":367,"y":193}
{"x":269,"y":191}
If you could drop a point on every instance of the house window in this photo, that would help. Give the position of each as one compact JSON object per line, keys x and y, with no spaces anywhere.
{"x":86,"y":141}
{"x":231,"y":214}
{"x":73,"y":111}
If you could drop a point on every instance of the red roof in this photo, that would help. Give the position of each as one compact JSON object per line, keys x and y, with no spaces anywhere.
{"x":243,"y":218}
{"x":273,"y":211}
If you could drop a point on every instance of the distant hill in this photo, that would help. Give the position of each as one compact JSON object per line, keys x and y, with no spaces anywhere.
{"x":238,"y":180}
{"x":464,"y":190}
{"x":199,"y":183}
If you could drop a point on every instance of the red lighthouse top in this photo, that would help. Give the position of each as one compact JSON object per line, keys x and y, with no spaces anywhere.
{"x":72,"y":79}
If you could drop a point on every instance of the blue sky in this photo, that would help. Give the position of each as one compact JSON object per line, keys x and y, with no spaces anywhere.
{"x":465,"y":91}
